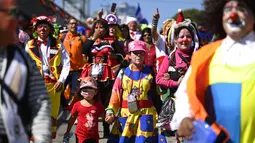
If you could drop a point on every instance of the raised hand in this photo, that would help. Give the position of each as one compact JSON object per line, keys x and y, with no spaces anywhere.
{"x":97,"y":34}
{"x":100,"y":13}
{"x":156,"y":15}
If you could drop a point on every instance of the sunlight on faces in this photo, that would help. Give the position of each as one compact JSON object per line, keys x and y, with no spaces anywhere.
{"x":184,"y":40}
{"x":237,"y":20}
{"x":99,"y":27}
{"x":132,"y":25}
{"x":88,"y":93}
{"x":112,"y":30}
{"x":137,"y":57}
{"x":72,"y":26}
{"x":43,"y":30}
{"x":147,"y":37}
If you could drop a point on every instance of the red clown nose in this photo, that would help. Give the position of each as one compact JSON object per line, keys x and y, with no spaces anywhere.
{"x":233,"y":16}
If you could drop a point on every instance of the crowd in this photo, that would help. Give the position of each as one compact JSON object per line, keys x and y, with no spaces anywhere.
{"x":146,"y":84}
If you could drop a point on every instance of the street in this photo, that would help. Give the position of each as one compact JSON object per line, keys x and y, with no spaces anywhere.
{"x":62,"y":128}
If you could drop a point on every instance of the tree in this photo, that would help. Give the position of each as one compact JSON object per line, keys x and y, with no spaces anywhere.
{"x":194,"y":14}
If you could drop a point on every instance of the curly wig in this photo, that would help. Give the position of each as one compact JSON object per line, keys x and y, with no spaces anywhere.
{"x":214,"y":13}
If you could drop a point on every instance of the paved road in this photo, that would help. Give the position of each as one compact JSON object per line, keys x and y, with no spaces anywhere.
{"x":62,"y":128}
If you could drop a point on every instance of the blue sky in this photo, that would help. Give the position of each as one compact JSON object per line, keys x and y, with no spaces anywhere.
{"x":167,"y":8}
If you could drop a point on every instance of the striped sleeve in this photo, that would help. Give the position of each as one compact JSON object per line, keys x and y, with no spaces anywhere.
{"x":40,"y":104}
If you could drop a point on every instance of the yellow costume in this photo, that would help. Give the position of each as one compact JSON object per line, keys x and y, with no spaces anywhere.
{"x":140,"y":125}
{"x":55,"y":67}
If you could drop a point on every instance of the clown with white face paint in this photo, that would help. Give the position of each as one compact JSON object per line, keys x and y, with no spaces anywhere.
{"x":237,"y":20}
{"x":218,"y":87}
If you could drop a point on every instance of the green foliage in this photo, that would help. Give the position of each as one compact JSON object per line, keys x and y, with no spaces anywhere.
{"x":194,"y":15}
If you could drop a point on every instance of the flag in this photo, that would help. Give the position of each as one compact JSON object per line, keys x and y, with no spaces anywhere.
{"x":139,"y":16}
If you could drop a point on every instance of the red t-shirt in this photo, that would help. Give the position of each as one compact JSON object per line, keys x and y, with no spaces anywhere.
{"x":150,"y":56}
{"x":87,"y":126}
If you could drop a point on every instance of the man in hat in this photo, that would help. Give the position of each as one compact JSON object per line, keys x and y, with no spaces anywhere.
{"x":219,"y":87}
{"x":25,"y":105}
{"x":52,"y":60}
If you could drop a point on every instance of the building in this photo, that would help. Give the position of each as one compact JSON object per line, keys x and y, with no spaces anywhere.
{"x":77,"y":8}
{"x":124,"y":11}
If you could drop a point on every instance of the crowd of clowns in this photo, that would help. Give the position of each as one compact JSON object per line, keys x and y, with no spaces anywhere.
{"x":147,"y":84}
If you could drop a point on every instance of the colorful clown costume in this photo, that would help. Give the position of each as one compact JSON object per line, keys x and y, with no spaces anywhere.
{"x":138,"y":126}
{"x":56,"y":61}
{"x":219,"y":89}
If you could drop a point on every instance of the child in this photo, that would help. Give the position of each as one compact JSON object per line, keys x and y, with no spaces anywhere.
{"x":87,"y":110}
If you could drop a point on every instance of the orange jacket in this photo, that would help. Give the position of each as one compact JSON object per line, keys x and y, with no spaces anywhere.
{"x":73,"y":45}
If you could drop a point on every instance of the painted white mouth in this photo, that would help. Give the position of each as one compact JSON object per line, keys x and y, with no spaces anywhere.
{"x":235,"y":25}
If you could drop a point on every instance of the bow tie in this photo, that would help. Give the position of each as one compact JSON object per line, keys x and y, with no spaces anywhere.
{"x":132,"y":34}
{"x":39,"y":42}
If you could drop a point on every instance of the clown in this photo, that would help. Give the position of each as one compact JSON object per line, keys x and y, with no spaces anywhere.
{"x":52,"y":60}
{"x":218,"y":88}
{"x":114,"y":29}
{"x":133,"y":28}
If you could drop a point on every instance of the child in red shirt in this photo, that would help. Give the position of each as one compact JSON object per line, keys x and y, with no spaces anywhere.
{"x":87,"y":110}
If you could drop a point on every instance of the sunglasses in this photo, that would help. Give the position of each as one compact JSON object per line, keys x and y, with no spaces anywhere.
{"x":73,"y":23}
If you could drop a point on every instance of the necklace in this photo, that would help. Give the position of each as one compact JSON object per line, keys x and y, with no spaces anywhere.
{"x":71,"y":41}
{"x":136,"y":90}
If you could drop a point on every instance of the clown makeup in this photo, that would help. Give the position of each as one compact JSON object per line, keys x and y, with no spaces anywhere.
{"x":132,"y":25}
{"x":112,"y":31}
{"x":43,"y":30}
{"x":184,"y":40}
{"x":137,"y":57}
{"x":237,"y":19}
